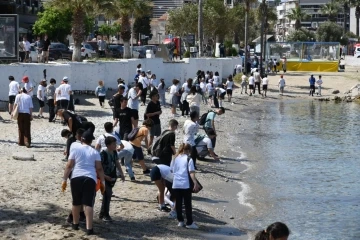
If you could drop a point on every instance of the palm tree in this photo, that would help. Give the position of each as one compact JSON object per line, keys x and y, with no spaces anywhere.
{"x":298,"y":15}
{"x":80,"y":10}
{"x":346,"y":4}
{"x":331,"y":9}
{"x":126,"y":11}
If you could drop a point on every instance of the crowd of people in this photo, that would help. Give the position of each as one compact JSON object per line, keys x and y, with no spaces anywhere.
{"x":91,"y":169}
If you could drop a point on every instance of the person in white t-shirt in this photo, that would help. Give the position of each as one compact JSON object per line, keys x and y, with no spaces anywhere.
{"x":121,"y":82}
{"x":85,"y":166}
{"x":229,"y":85}
{"x":162,"y":176}
{"x":174,"y":94}
{"x":41,"y":97}
{"x":64,"y":92}
{"x":191,"y":128}
{"x":281,"y":85}
{"x":265,"y":82}
{"x":251,"y":83}
{"x":145,"y":85}
{"x":133,"y":96}
{"x":14,"y":89}
{"x":203,"y":90}
{"x":25,"y":107}
{"x":184,"y":171}
{"x":220,"y":95}
{"x":154,"y":83}
{"x":194,"y":100}
{"x":28,"y":86}
{"x":204,"y":147}
{"x":216,"y":79}
{"x":27,"y":47}
{"x":319,"y":82}
{"x":109,"y":132}
{"x":210,"y":91}
{"x":244,"y":83}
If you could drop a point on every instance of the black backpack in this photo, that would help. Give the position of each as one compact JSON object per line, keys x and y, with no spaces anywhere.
{"x":133,"y":133}
{"x":203,"y":117}
{"x":157,"y":147}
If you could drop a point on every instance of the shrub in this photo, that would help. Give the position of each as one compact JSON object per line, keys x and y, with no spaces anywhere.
{"x":187,"y":54}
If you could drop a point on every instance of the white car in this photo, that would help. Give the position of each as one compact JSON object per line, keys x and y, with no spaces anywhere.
{"x":86,"y":50}
{"x":357,"y":52}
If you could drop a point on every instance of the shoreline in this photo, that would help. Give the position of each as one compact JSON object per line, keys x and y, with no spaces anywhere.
{"x":34,"y":208}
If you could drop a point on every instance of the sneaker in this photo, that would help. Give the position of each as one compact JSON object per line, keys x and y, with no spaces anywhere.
{"x":164,"y":209}
{"x":147,"y":171}
{"x":75,"y":226}
{"x":107,"y":219}
{"x":181,"y":224}
{"x":90,"y":232}
{"x":132,"y":179}
{"x":192,"y":226}
{"x":173,"y":214}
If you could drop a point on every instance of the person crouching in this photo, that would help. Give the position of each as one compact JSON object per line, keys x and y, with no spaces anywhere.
{"x":109,"y":162}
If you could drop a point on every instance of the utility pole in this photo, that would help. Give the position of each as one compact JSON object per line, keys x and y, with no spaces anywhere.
{"x":200,"y":27}
{"x":262,"y":37}
{"x":247,"y":9}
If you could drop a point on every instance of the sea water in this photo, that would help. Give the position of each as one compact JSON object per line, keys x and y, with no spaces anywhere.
{"x":305,"y":169}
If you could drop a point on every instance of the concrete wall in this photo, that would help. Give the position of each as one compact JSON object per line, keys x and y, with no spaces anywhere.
{"x":85,"y":76}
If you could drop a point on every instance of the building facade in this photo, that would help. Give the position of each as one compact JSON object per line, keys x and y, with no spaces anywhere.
{"x":313,"y":8}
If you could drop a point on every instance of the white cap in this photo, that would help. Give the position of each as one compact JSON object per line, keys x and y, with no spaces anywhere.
{"x":65,"y":78}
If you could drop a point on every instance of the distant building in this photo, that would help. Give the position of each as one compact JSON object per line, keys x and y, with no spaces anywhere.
{"x":352,"y":21}
{"x":313,"y":8}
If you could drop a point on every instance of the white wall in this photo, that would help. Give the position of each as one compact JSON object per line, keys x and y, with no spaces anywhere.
{"x":85,"y":76}
{"x":352,"y":20}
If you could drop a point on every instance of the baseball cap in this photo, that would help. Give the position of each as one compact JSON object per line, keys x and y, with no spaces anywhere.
{"x":88,"y":135}
{"x":65,"y":79}
{"x":25,"y":78}
{"x":148,"y":71}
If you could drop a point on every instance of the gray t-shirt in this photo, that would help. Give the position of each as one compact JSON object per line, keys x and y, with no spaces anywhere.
{"x":102,"y":45}
{"x":50,"y":91}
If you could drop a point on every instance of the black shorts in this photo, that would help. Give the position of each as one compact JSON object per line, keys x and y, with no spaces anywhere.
{"x":12,"y":99}
{"x":41,"y":103}
{"x":138,"y":153}
{"x":251,"y":86}
{"x":264,"y":87}
{"x":222,"y":96}
{"x":229,"y":91}
{"x":155,"y":174}
{"x":83,"y":191}
{"x":136,"y":114}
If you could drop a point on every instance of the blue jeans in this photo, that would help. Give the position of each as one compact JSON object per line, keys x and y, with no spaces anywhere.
{"x":127,"y":155}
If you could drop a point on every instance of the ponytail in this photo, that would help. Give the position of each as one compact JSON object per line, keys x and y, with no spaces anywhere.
{"x":262,"y":235}
{"x":182,"y":148}
{"x":275,"y":230}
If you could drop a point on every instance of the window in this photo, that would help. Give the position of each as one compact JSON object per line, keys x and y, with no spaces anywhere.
{"x":229,"y":2}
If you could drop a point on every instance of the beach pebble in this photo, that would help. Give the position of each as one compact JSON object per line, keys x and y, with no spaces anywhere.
{"x":231,"y":217}
{"x":226,"y":180}
{"x":23,"y":156}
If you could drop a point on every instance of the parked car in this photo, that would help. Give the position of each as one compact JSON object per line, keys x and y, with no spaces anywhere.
{"x":59,"y":51}
{"x":151,"y":47}
{"x":87,"y":50}
{"x":116,"y":51}
{"x":141,"y":50}
{"x":33,"y":54}
{"x":357,"y":52}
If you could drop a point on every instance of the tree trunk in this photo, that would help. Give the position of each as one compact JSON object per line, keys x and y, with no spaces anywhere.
{"x":126,"y":35}
{"x":246,"y":36}
{"x":345,"y":18}
{"x":263,"y":11}
{"x":200,"y":27}
{"x":357,"y":26}
{"x":78,"y":33}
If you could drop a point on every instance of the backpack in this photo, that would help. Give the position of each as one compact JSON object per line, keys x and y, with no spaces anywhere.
{"x":198,"y":138}
{"x":203,"y":117}
{"x":105,"y":163}
{"x":133,"y":133}
{"x":157,"y":146}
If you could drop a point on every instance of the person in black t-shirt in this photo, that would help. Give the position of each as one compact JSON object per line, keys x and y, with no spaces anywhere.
{"x":46,"y":49}
{"x":126,"y":118}
{"x":117,"y":97}
{"x":74,"y":121}
{"x":167,"y":143}
{"x":153,"y":111}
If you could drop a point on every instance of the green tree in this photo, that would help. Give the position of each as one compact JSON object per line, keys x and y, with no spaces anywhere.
{"x":56,"y":23}
{"x":301,"y":35}
{"x":109,"y":30}
{"x":329,"y":32}
{"x":142,"y":27}
{"x":298,"y":15}
{"x":82,"y":10}
{"x":125,"y":11}
{"x":331,"y":9}
{"x":183,"y":21}
{"x":346,"y":7}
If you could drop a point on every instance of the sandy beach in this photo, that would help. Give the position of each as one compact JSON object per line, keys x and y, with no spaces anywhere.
{"x":33,"y":206}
